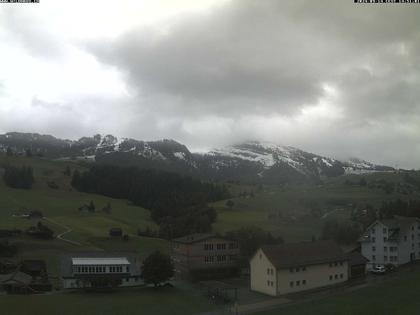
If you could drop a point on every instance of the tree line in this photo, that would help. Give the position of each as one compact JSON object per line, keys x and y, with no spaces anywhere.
{"x":177,"y":203}
{"x":18,"y":177}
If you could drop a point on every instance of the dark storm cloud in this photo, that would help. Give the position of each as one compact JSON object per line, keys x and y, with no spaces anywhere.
{"x":271,"y":56}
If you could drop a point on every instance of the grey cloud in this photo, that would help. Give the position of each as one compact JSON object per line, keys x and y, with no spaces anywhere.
{"x":248,"y":69}
{"x":32,"y":33}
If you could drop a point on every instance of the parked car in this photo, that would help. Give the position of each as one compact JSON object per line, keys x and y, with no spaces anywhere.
{"x":378,"y":270}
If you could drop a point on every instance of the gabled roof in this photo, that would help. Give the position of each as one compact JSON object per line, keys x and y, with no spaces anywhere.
{"x":396,"y":224}
{"x":303,"y":253}
{"x":356,"y":258}
{"x":193,"y":238}
{"x":16,"y":277}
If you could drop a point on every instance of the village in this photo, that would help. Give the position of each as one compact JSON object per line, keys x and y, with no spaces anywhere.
{"x":274,"y":274}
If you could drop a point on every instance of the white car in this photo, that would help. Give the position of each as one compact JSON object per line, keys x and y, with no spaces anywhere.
{"x":378,"y":270}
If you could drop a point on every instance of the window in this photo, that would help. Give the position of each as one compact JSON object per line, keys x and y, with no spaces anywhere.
{"x":373,"y":231}
{"x":303,"y":282}
{"x":405,"y":237}
{"x":233,"y":245}
{"x":385,"y":249}
{"x":221,"y":258}
{"x":127,"y":269}
{"x":335,"y":276}
{"x":341,"y":263}
{"x":385,"y":258}
{"x":209,"y":247}
{"x":303,"y":268}
{"x":373,"y":239}
{"x":384,"y":239}
{"x":373,"y":257}
{"x":341,"y":276}
{"x":412,"y":228}
{"x":221,"y":246}
{"x":331,"y":277}
{"x":268,"y":271}
{"x":373,"y":248}
{"x":384,"y":230}
{"x":297,"y":269}
{"x":291,"y":269}
{"x":268,"y":283}
{"x":297,"y":283}
{"x":336,"y":264}
{"x":291,"y":284}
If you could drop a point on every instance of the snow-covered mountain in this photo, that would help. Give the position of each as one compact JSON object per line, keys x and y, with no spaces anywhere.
{"x":251,"y":161}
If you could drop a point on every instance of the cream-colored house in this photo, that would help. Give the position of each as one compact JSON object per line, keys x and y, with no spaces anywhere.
{"x":288,"y":268}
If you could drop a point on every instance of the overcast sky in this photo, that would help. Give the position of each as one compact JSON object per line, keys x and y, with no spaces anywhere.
{"x":330,"y":77}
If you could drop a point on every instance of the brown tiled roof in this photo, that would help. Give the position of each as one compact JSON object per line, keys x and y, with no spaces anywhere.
{"x":193,"y":238}
{"x":304,"y":253}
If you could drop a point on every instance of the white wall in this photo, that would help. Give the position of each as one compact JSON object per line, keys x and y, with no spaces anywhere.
{"x":261,"y":280}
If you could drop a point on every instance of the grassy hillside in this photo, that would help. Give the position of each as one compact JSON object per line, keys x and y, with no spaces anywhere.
{"x":286,"y":210}
{"x":61,"y":207}
{"x":283,"y":210}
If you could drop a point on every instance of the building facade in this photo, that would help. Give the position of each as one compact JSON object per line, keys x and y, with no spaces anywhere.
{"x":289,"y":268}
{"x":90,"y":270}
{"x":204,"y":253}
{"x":393,"y":241}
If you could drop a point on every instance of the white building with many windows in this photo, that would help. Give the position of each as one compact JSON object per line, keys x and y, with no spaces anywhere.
{"x":99,"y":269}
{"x":393,"y":241}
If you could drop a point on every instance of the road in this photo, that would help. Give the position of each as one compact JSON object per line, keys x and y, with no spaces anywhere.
{"x":67,"y":230}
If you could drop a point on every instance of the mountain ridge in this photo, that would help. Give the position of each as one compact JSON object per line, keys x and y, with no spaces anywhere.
{"x":250,"y":161}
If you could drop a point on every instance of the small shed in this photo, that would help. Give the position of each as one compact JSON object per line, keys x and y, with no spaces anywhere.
{"x":115,"y":232}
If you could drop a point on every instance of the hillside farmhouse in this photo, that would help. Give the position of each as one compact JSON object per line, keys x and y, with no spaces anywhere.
{"x":393,"y":241}
{"x":100,"y":270}
{"x":289,"y":268}
{"x":204,"y":256}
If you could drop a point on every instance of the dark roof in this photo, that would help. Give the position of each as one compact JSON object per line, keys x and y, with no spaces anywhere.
{"x":66,"y":260}
{"x":356,"y":258}
{"x":304,"y":253}
{"x":16,"y":277}
{"x":34,"y":265}
{"x":193,"y":238}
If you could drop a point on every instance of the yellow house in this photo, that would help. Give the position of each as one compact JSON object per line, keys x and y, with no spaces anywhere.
{"x":288,"y":268}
